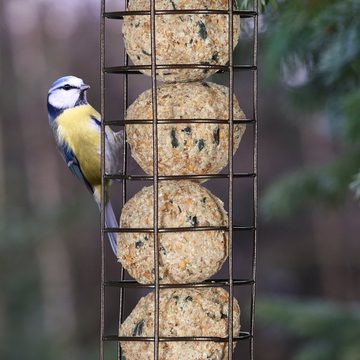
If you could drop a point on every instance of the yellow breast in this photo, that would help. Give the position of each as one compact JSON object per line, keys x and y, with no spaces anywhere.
{"x":77,"y":130}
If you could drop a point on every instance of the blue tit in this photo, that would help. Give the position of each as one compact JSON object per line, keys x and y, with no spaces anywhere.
{"x":76,"y":127}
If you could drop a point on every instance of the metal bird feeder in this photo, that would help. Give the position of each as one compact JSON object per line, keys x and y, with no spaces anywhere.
{"x":231,"y":70}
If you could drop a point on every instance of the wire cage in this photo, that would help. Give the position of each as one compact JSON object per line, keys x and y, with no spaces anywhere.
{"x":122,"y":284}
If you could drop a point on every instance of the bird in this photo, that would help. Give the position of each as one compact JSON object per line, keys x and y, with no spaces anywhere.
{"x":76,"y":127}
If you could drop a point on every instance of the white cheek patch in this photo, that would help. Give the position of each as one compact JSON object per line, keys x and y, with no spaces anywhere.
{"x":64,"y":99}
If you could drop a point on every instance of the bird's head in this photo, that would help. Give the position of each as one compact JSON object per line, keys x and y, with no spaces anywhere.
{"x":66,"y":93}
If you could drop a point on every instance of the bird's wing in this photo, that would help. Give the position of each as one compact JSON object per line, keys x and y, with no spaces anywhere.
{"x":113,"y":146}
{"x":73,"y":165}
{"x":114,"y":149}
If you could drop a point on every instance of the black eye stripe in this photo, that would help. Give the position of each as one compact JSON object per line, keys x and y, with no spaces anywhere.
{"x":68,"y":87}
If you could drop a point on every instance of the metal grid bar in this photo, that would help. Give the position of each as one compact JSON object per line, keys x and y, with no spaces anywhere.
{"x":178,"y":229}
{"x":205,"y":284}
{"x":135,"y":69}
{"x":124,"y":193}
{"x":180,"y":177}
{"x":155,"y":179}
{"x":177,"y":121}
{"x":231,"y":175}
{"x":255,"y":179}
{"x":243,"y":336}
{"x":231,"y":178}
{"x":102,"y":208}
{"x":121,"y":14}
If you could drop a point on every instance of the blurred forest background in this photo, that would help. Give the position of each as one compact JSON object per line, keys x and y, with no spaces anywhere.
{"x":309,"y":161}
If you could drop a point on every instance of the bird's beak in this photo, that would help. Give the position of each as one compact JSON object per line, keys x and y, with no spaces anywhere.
{"x":84,"y":87}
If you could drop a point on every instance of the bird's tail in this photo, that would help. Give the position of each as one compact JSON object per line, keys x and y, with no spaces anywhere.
{"x":111,"y":222}
{"x":110,"y":218}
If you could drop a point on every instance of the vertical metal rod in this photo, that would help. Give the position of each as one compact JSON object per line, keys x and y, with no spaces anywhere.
{"x":231,"y":177}
{"x":102,"y":215}
{"x":155,"y":181}
{"x":255,"y":179}
{"x":124,"y":186}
